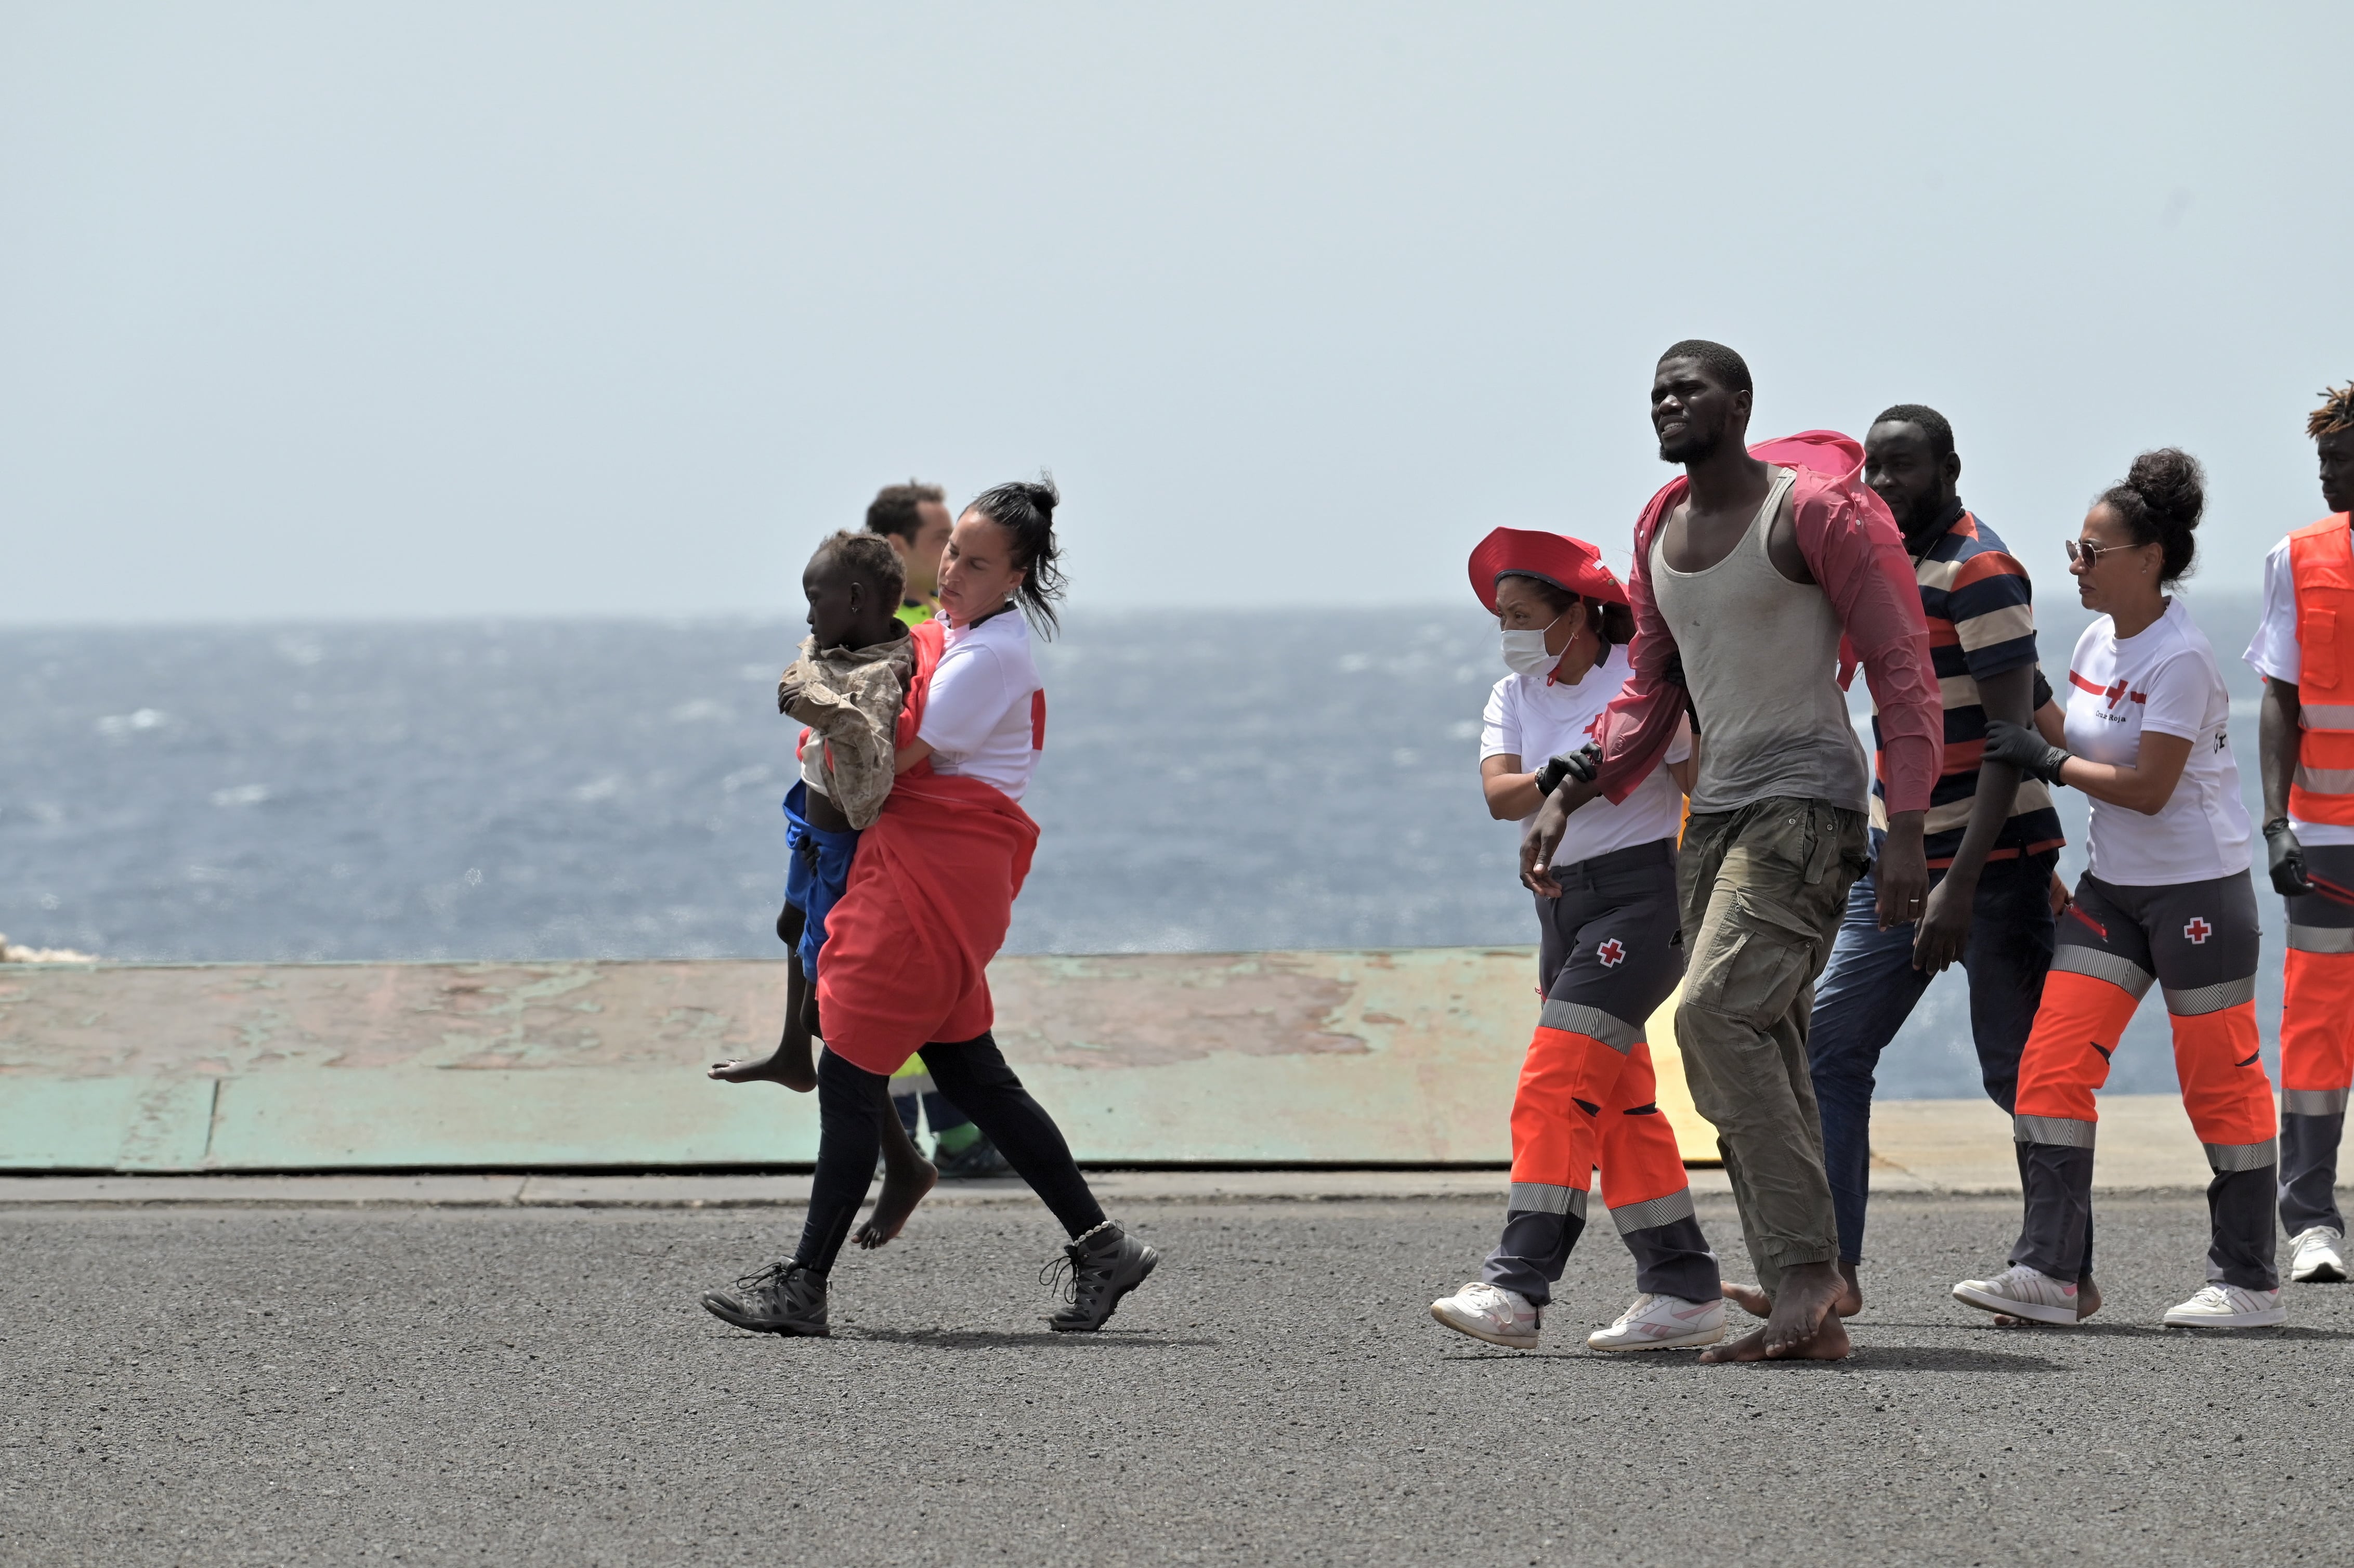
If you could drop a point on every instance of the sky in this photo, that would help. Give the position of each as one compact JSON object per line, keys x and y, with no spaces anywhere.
{"x":312,"y":313}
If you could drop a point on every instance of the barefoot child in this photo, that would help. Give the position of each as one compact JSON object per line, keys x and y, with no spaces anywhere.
{"x":930,"y":896}
{"x":849,"y":685}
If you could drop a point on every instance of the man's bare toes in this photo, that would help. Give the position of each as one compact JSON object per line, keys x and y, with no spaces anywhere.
{"x":1827,"y":1343}
{"x":1750,"y":1347}
{"x":1749,"y":1298}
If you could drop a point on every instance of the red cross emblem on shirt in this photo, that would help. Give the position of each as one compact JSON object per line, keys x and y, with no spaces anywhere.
{"x":1610,"y":952}
{"x":2198,"y":930}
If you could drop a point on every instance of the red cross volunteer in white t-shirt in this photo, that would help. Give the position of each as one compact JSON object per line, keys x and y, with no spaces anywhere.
{"x":1609,"y":956}
{"x":2166,"y":901}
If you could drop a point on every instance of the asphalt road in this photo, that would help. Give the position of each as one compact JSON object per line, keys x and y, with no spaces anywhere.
{"x":251,"y":1386}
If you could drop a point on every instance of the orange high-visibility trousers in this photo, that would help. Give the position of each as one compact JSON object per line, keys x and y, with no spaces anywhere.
{"x":2198,"y":941}
{"x":1585,"y":1101}
{"x":1609,"y":956}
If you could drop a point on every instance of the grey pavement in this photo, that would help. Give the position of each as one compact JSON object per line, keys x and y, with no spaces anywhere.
{"x":509,"y":1384}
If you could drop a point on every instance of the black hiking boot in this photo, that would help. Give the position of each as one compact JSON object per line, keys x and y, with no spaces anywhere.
{"x":782,"y":1298}
{"x":1101,"y":1267}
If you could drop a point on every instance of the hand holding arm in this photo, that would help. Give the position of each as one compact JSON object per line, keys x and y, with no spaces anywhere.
{"x":1543,"y":838}
{"x":2143,"y":786}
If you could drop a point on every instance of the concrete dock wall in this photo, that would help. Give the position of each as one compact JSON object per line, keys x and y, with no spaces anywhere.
{"x":1360,"y":1058}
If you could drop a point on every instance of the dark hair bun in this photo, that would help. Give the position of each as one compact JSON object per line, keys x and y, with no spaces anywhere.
{"x":1025,"y":509}
{"x":2170,"y":483}
{"x":2160,"y":501}
{"x":1044,"y":497}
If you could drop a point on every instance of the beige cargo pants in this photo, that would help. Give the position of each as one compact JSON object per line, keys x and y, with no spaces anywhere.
{"x":1762,"y":889}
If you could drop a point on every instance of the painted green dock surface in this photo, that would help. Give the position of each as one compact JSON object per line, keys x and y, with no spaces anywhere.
{"x":1361,"y":1058}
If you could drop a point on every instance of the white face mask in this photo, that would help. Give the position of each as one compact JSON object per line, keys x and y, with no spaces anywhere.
{"x":1524,"y":652}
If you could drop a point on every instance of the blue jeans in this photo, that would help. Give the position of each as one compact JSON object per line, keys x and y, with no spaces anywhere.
{"x":1869,"y":988}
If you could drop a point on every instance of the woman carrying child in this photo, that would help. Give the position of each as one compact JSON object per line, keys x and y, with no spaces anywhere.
{"x":1609,"y":956}
{"x":931,"y":897}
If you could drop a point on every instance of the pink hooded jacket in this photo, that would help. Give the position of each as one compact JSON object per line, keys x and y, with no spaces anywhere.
{"x":1852,"y":546}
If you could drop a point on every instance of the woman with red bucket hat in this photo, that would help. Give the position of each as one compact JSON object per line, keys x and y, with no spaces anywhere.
{"x":1609,"y":953}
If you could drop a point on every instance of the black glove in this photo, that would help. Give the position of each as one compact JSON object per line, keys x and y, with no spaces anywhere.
{"x":2024,"y":749}
{"x":2285,"y":857}
{"x":2042,"y":691}
{"x":1581,"y":765}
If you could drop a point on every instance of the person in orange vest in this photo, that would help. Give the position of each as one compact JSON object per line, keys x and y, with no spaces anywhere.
{"x":2305,"y":739}
{"x":2166,"y":901}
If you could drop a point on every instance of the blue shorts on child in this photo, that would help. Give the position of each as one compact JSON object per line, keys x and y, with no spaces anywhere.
{"x":817,"y":869}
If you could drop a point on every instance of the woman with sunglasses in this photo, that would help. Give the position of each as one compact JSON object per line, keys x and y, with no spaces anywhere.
{"x":1607,"y":956}
{"x":2166,"y":900}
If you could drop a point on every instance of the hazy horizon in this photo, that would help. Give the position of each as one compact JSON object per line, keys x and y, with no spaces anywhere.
{"x":548,"y":310}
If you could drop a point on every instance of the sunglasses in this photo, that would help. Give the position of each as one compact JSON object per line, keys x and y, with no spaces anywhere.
{"x":2089,"y":556}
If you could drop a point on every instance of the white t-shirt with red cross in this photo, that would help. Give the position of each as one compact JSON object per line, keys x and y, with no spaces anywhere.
{"x":985,"y":716}
{"x":2162,"y":680}
{"x":1534,"y":717}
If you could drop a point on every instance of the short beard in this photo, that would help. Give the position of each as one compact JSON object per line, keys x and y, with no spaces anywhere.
{"x":1921,"y":516}
{"x":1692,"y":447}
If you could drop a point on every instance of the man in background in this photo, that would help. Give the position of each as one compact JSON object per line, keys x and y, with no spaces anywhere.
{"x":1992,"y":840}
{"x":914,"y":517}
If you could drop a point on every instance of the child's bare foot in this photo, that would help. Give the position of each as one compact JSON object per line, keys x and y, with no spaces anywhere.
{"x":790,"y":1063}
{"x":902,"y":1191}
{"x":907,"y":1177}
{"x":776,"y":1067}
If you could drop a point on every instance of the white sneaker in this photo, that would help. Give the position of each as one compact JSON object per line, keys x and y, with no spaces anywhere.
{"x":2320,"y":1256}
{"x":2022,"y":1292}
{"x":1486,"y":1312}
{"x":1662,"y":1323}
{"x":2228,"y":1307}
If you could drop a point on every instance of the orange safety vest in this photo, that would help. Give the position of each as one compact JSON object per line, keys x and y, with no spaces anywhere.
{"x":2321,"y":561}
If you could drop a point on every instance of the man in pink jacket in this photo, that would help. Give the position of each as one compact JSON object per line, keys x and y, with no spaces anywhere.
{"x":1751,"y":575}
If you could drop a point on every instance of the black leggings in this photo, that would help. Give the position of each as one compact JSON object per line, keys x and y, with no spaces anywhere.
{"x":972,"y":1073}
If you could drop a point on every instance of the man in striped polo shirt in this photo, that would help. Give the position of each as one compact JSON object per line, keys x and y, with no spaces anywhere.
{"x":1992,"y":840}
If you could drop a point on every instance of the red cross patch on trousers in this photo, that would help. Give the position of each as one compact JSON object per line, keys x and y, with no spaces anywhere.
{"x":2198,"y":930}
{"x":1611,"y":952}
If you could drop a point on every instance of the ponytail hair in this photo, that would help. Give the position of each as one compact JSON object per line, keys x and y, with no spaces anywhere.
{"x":2159,"y":503}
{"x":1026,"y":512}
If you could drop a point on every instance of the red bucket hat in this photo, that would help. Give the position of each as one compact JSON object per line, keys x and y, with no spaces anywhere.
{"x":1570,"y":565}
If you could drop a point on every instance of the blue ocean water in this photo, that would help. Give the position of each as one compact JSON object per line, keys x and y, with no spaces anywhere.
{"x":541,"y":790}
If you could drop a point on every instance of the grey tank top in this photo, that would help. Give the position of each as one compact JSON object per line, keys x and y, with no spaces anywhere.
{"x":1761,"y":658}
